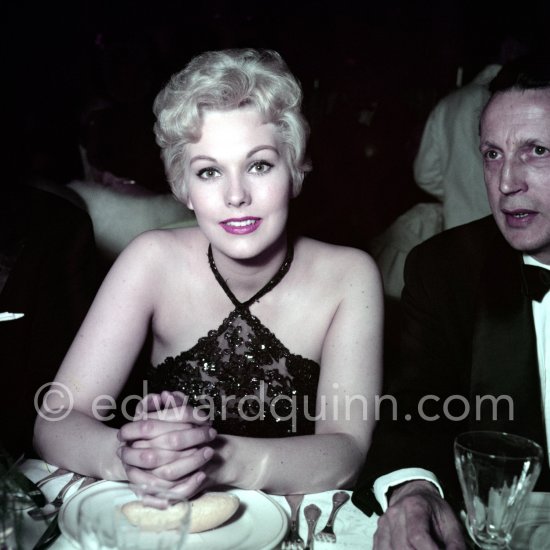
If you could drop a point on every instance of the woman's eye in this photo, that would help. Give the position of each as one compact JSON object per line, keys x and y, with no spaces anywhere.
{"x":539,"y":150}
{"x":208,"y":173}
{"x":260,"y":167}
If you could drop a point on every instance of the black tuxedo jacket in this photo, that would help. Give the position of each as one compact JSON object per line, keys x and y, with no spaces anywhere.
{"x":52,"y":281}
{"x":467,"y":338}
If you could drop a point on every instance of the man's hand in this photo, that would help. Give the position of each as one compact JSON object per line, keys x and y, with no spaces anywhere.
{"x":417,"y":517}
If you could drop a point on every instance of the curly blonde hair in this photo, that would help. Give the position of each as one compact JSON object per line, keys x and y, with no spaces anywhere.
{"x":225,"y":80}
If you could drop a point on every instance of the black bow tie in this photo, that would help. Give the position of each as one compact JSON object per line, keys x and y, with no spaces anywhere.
{"x":537,"y":281}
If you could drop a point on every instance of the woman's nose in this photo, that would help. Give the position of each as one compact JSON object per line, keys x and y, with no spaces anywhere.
{"x":237,"y":193}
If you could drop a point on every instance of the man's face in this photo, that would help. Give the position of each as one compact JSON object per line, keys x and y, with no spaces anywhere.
{"x":515,"y":144}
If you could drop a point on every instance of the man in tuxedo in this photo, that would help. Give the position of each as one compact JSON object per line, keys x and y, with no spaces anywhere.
{"x":47,"y":274}
{"x":475,"y":347}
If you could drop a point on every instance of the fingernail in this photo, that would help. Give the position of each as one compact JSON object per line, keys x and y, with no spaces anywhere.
{"x":200,"y":477}
{"x":212,"y":433}
{"x":208,"y":453}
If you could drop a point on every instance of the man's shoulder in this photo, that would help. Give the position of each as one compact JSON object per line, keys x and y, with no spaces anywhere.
{"x":461,"y":250}
{"x":469,"y":239}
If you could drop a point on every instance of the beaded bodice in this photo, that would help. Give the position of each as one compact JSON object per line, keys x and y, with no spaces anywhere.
{"x":242,"y":375}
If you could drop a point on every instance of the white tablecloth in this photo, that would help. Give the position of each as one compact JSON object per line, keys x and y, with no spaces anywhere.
{"x":354,"y":530}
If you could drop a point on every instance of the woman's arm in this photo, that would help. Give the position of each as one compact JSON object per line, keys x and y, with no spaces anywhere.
{"x":98,"y":364}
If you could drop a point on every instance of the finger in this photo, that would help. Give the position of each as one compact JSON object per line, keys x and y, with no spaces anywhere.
{"x":185,"y":464}
{"x":174,"y":398}
{"x":381,"y":539}
{"x":147,"y":459}
{"x":148,"y":429}
{"x":177,"y":414}
{"x":178,"y":440}
{"x":143,"y":483}
{"x":450,"y":533}
{"x":151,"y":402}
{"x":143,"y":429}
{"x":143,"y":478}
{"x":190,"y":485}
{"x":407,"y":529}
{"x":169,"y":406}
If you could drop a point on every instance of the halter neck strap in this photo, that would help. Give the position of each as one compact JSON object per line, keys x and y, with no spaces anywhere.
{"x":272,"y":283}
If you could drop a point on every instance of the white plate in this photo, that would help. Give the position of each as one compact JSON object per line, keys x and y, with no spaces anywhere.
{"x":259,"y":523}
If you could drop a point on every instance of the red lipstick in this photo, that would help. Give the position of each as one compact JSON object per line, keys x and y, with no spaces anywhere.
{"x":241,"y":226}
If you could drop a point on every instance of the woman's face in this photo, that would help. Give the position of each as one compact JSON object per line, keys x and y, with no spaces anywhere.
{"x":238,"y":183}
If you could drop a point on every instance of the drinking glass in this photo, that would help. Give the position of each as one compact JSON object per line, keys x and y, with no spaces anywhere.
{"x":102,"y":525}
{"x":497,"y":471}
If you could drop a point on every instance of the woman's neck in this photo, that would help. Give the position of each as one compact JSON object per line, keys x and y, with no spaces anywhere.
{"x":246,"y":277}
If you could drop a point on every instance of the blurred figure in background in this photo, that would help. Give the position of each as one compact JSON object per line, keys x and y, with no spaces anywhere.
{"x":123,"y":188}
{"x":448,"y":165}
{"x":48,"y":274}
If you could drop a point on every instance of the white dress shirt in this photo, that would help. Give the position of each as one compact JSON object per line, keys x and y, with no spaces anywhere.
{"x":541,"y":316}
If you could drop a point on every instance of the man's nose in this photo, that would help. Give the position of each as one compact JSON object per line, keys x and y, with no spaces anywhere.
{"x":512,"y":178}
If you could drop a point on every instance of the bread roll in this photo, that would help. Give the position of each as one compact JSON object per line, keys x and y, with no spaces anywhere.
{"x":211,"y":510}
{"x":207,"y":512}
{"x":148,"y":518}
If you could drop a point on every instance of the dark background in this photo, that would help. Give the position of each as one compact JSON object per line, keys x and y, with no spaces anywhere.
{"x":371,"y":72}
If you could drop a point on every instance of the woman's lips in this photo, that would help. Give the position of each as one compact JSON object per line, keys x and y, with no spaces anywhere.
{"x":519,"y":218}
{"x":241,"y":226}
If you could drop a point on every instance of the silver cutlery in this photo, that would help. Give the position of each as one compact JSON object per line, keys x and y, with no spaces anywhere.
{"x":52,"y":507}
{"x":327,"y":534}
{"x":293,"y":540}
{"x":53,"y":475}
{"x":53,"y":532}
{"x":312,"y":514}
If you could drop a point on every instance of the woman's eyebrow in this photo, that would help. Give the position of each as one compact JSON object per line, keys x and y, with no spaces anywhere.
{"x":249,"y":154}
{"x":261,"y":148}
{"x":202,"y":157}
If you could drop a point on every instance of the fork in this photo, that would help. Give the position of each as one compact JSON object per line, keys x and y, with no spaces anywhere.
{"x":54,"y":474}
{"x":312,"y":514}
{"x":293,"y":540}
{"x":52,"y":507}
{"x":327,"y":534}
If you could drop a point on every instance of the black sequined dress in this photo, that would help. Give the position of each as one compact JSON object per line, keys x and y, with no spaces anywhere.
{"x":242,"y":375}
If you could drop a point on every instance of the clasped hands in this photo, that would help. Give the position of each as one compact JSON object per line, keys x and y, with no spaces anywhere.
{"x":166,"y":445}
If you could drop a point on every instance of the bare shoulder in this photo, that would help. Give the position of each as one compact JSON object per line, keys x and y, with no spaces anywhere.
{"x":162,"y":246}
{"x":340,"y":262}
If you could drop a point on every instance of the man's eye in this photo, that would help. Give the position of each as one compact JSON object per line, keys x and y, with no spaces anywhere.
{"x":260,"y":167}
{"x":491,"y":154}
{"x":207,"y":173}
{"x":539,"y":150}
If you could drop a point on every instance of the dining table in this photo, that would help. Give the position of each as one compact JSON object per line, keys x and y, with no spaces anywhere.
{"x":354,"y":530}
